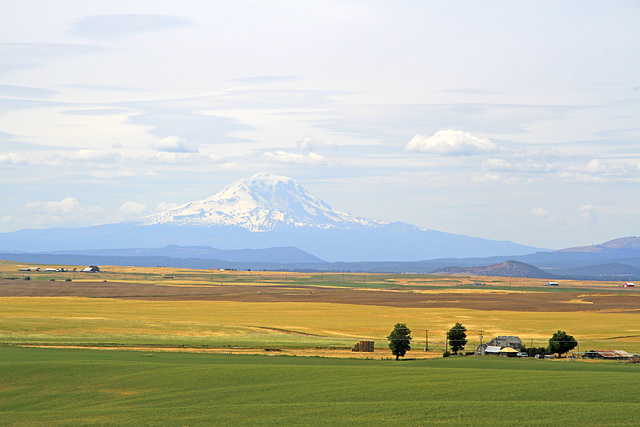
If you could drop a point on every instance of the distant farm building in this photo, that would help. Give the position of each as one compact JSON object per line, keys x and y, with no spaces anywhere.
{"x":496,"y":345}
{"x":486,"y":350}
{"x":551,"y":284}
{"x":629,"y":285}
{"x":508,"y":352}
{"x":91,"y":269}
{"x":607,"y":354}
{"x":507,"y":341}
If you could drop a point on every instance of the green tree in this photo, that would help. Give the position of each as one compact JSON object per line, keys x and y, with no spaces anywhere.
{"x":457,"y":337}
{"x":400,"y":340}
{"x":561,"y":343}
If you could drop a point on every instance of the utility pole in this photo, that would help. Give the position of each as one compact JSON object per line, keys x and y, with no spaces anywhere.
{"x":446,"y":343}
{"x":426,"y":340}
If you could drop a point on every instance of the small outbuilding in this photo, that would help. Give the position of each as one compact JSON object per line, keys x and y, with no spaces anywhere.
{"x":607,"y":354}
{"x":508,"y":352}
{"x":486,"y":350}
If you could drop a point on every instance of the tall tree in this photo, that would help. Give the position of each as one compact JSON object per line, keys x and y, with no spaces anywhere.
{"x":561,"y":343}
{"x":457,"y":337}
{"x":400,"y":340}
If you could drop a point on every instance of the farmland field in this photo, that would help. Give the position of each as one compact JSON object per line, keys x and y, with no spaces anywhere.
{"x":248,"y":329}
{"x":89,"y":387}
{"x":251,"y":311}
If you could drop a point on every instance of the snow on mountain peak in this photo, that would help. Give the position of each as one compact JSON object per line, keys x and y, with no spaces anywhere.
{"x":262,"y":202}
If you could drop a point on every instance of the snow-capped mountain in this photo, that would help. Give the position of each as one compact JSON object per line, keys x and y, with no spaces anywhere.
{"x":261,"y":203}
{"x":266,"y":211}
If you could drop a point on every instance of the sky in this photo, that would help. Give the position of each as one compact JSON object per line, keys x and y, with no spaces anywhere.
{"x":498,"y":119}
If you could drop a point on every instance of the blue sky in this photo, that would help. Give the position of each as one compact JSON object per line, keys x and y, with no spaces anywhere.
{"x":505,"y":120}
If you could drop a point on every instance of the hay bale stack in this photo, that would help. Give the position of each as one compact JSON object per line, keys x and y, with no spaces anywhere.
{"x":364,"y":346}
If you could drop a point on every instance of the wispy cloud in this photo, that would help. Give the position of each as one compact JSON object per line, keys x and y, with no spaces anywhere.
{"x":26,"y":92}
{"x":311,"y":159}
{"x":122,"y":25}
{"x":265,"y":79}
{"x":310,"y":143}
{"x":539,"y":213}
{"x":16,"y":56}
{"x":97,"y":156}
{"x":451,"y":142}
{"x":13,"y":159}
{"x":174,"y":144}
{"x":132,"y":208}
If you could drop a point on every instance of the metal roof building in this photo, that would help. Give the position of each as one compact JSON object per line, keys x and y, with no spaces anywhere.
{"x":607,"y":354}
{"x":507,"y":341}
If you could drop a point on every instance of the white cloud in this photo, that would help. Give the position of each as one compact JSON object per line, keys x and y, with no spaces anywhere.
{"x":528,"y":165}
{"x":103,"y":173}
{"x":173,"y":144}
{"x":173,"y":158}
{"x":489,"y":177}
{"x":216,"y":158}
{"x":539,"y":213}
{"x":66,"y":212}
{"x":310,"y":143}
{"x":66,"y":206}
{"x":311,"y":159}
{"x":595,"y":166}
{"x":497,"y":164}
{"x":451,"y":142}
{"x":96,"y":156}
{"x":580,"y":177}
{"x":12,"y":159}
{"x":132,"y":208}
{"x":588,"y":212}
{"x":164,"y":206}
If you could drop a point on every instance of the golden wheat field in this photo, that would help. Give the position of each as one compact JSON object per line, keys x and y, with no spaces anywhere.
{"x":302,"y":313}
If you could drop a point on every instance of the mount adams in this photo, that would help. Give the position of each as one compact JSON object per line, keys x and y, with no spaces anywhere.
{"x":266,"y":211}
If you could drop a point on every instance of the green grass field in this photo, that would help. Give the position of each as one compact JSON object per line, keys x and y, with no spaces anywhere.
{"x":90,"y":387}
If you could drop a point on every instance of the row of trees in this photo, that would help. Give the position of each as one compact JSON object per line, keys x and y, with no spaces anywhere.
{"x":400,"y":341}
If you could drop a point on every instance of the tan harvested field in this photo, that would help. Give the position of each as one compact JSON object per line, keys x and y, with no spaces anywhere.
{"x":474,"y":299}
{"x":301,"y":313}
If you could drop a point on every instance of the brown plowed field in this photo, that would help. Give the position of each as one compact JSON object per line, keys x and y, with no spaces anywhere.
{"x":481,"y":299}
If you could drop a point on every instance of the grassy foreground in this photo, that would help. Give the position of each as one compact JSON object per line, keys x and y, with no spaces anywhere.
{"x":89,"y":387}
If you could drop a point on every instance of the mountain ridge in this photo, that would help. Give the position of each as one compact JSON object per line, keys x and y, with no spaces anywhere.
{"x":508,"y":268}
{"x":267,"y":211}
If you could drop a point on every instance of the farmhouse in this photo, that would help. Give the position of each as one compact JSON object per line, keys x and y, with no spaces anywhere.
{"x":507,"y":341}
{"x":499,"y":343}
{"x":607,"y":354}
